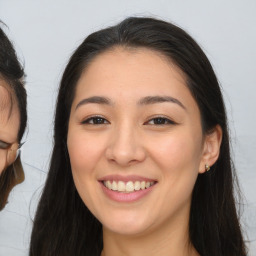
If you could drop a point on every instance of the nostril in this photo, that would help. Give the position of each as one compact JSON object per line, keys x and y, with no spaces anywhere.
{"x":125,"y":155}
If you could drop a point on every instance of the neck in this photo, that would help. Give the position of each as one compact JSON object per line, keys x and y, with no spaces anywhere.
{"x":164,"y":241}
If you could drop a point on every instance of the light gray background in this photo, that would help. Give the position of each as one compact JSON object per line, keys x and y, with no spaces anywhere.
{"x":45,"y":34}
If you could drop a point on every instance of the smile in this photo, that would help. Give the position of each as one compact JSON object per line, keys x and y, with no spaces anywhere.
{"x":127,"y":187}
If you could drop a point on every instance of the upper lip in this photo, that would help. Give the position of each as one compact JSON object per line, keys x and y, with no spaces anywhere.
{"x":125,"y":178}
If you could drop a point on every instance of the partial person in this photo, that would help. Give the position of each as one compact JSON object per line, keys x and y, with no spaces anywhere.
{"x":141,"y":160}
{"x":13,"y":118}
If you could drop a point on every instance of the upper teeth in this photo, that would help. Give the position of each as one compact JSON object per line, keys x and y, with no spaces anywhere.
{"x":129,"y":186}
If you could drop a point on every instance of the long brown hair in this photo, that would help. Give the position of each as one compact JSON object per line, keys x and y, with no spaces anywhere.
{"x":64,"y":225}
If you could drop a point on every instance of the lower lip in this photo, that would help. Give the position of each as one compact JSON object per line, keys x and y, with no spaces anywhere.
{"x":126,"y":197}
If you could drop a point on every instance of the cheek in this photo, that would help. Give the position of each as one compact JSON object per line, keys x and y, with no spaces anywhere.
{"x":177,"y":152}
{"x":178,"y":160}
{"x":84,"y":155}
{"x":178,"y":157}
{"x":84,"y":152}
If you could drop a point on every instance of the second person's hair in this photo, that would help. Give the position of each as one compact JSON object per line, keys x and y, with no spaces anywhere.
{"x":12,"y":73}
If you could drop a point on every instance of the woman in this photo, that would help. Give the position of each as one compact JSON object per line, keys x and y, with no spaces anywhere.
{"x":141,"y":162}
{"x":13,"y":118}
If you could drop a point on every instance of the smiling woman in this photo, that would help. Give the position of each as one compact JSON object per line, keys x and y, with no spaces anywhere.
{"x":141,"y":162}
{"x":13,"y":118}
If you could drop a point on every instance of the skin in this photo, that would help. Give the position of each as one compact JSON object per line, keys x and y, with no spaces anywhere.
{"x":9,"y":122}
{"x":130,"y":142}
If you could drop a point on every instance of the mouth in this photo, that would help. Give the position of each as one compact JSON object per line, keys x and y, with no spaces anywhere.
{"x":127,"y":186}
{"x":127,"y":189}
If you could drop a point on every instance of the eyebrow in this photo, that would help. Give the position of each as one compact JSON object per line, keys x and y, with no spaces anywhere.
{"x":94,"y":99}
{"x":160,"y":99}
{"x":144,"y":101}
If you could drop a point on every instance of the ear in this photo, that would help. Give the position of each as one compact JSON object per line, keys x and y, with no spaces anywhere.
{"x":211,"y":148}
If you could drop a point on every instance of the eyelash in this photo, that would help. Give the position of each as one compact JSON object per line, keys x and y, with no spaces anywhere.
{"x":161,"y":119}
{"x":4,"y":145}
{"x":94,"y":119}
{"x":99,"y":120}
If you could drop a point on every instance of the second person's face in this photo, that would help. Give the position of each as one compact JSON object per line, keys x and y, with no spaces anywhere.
{"x":135,"y":141}
{"x":9,"y":124}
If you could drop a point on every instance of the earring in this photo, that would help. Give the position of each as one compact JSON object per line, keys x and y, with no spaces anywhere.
{"x":207,"y":167}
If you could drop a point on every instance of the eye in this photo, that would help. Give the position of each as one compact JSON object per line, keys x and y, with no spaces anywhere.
{"x":160,"y":121}
{"x":95,"y":120}
{"x":4,"y":145}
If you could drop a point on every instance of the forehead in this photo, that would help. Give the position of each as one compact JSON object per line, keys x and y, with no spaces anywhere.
{"x":132,"y":73}
{"x":9,"y":114}
{"x":5,"y":97}
{"x":133,"y":62}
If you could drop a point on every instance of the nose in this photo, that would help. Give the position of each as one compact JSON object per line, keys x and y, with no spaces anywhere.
{"x":125,"y":147}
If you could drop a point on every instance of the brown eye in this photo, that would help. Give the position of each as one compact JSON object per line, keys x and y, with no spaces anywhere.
{"x":95,"y":120}
{"x":160,"y":121}
{"x":4,"y":145}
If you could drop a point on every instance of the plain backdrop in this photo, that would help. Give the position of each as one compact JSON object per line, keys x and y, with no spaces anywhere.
{"x":45,"y":33}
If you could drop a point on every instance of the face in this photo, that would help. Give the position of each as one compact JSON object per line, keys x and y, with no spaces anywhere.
{"x":9,"y":123}
{"x":135,"y":141}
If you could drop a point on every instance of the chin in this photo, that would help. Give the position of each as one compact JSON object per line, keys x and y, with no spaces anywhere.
{"x":126,"y":229}
{"x":125,"y":224}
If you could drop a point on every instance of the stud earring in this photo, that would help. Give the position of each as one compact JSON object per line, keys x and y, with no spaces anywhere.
{"x":207,"y":167}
